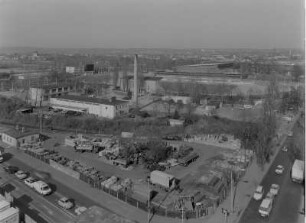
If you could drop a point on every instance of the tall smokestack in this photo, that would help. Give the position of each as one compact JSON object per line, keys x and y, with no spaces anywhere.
{"x":135,"y":80}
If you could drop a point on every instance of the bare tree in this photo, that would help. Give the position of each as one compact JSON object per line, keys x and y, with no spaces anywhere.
{"x":297,"y":72}
{"x":141,"y":81}
{"x":125,"y":80}
{"x":195,"y":92}
{"x":115,"y":76}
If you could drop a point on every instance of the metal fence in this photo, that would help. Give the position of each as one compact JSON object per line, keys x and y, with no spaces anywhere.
{"x":125,"y":197}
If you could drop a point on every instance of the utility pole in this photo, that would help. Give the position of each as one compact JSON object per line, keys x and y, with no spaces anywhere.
{"x":182,"y":214}
{"x":183,"y":204}
{"x":232,"y":197}
{"x":40,"y":121}
{"x":149,"y":193}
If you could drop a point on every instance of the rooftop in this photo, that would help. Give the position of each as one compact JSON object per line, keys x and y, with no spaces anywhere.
{"x":19,"y":134}
{"x":152,"y":78}
{"x":50,"y":86}
{"x":92,"y":100}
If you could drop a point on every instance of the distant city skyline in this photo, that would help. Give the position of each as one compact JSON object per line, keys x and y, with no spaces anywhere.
{"x":152,"y":23}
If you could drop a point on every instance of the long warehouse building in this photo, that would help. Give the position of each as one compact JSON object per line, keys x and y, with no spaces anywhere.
{"x":105,"y":108}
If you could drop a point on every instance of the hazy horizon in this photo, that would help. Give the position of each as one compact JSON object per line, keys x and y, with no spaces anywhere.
{"x":152,"y":24}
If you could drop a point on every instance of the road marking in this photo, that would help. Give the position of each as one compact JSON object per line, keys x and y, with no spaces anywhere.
{"x":48,"y":209}
{"x":14,"y":181}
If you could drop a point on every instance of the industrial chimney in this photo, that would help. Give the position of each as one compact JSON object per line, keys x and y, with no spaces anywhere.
{"x":135,"y":80}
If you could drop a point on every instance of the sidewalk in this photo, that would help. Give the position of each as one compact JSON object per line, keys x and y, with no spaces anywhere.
{"x":244,"y":191}
{"x":249,"y":182}
{"x":103,"y":199}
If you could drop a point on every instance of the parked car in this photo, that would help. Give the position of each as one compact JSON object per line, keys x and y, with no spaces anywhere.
{"x":30,"y":181}
{"x":11,"y":169}
{"x":80,"y":210}
{"x":274,"y":189}
{"x":20,"y":174}
{"x":279,"y":169}
{"x":258,"y":193}
{"x":265,"y":207}
{"x":42,"y":188}
{"x":66,"y":203}
{"x":285,"y":149}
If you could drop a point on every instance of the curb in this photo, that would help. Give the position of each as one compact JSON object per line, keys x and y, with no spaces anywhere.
{"x":237,"y":220}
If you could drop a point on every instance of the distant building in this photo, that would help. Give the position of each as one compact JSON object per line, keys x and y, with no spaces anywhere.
{"x":106,"y":108}
{"x":149,"y":85}
{"x":19,"y":137}
{"x":40,"y":96}
{"x":176,"y":99}
{"x":70,"y":70}
{"x":176,"y":122}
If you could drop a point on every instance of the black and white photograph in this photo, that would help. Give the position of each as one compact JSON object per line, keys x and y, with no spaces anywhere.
{"x":152,"y":111}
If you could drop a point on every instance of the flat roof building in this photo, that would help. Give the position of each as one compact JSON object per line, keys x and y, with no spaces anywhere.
{"x":106,"y":108}
{"x":40,"y":96}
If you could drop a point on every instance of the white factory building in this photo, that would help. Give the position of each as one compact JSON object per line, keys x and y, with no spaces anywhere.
{"x":39,"y":96}
{"x":105,"y":108}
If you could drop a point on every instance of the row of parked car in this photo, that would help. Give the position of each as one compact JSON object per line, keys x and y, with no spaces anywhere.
{"x":266,"y":205}
{"x":39,"y":186}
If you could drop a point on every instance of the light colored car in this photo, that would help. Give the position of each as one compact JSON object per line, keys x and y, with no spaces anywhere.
{"x":285,"y":149}
{"x":30,"y":181}
{"x":258,"y":193}
{"x":274,"y":189}
{"x":265,"y":207}
{"x":20,"y":174}
{"x":270,"y":195}
{"x":66,"y":203}
{"x":279,"y":169}
{"x":80,"y":210}
{"x":42,"y":188}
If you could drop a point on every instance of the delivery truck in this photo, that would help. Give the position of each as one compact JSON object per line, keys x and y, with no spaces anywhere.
{"x":297,"y":171}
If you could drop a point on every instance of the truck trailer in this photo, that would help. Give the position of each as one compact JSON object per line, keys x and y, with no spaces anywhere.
{"x":297,"y":171}
{"x":162,"y":179}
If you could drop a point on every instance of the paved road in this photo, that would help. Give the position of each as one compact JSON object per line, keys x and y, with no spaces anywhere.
{"x":286,"y":205}
{"x":42,"y":209}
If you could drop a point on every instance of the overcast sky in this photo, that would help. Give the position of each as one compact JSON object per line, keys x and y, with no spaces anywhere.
{"x":152,"y":23}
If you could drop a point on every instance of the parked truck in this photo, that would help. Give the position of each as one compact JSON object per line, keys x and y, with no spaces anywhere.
{"x":162,"y":179}
{"x":84,"y":147}
{"x":297,"y":171}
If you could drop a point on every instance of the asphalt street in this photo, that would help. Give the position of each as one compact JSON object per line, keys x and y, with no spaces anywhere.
{"x":286,"y":204}
{"x":58,"y":188}
{"x":41,"y":209}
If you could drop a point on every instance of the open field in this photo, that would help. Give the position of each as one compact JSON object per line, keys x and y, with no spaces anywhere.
{"x":251,"y":114}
